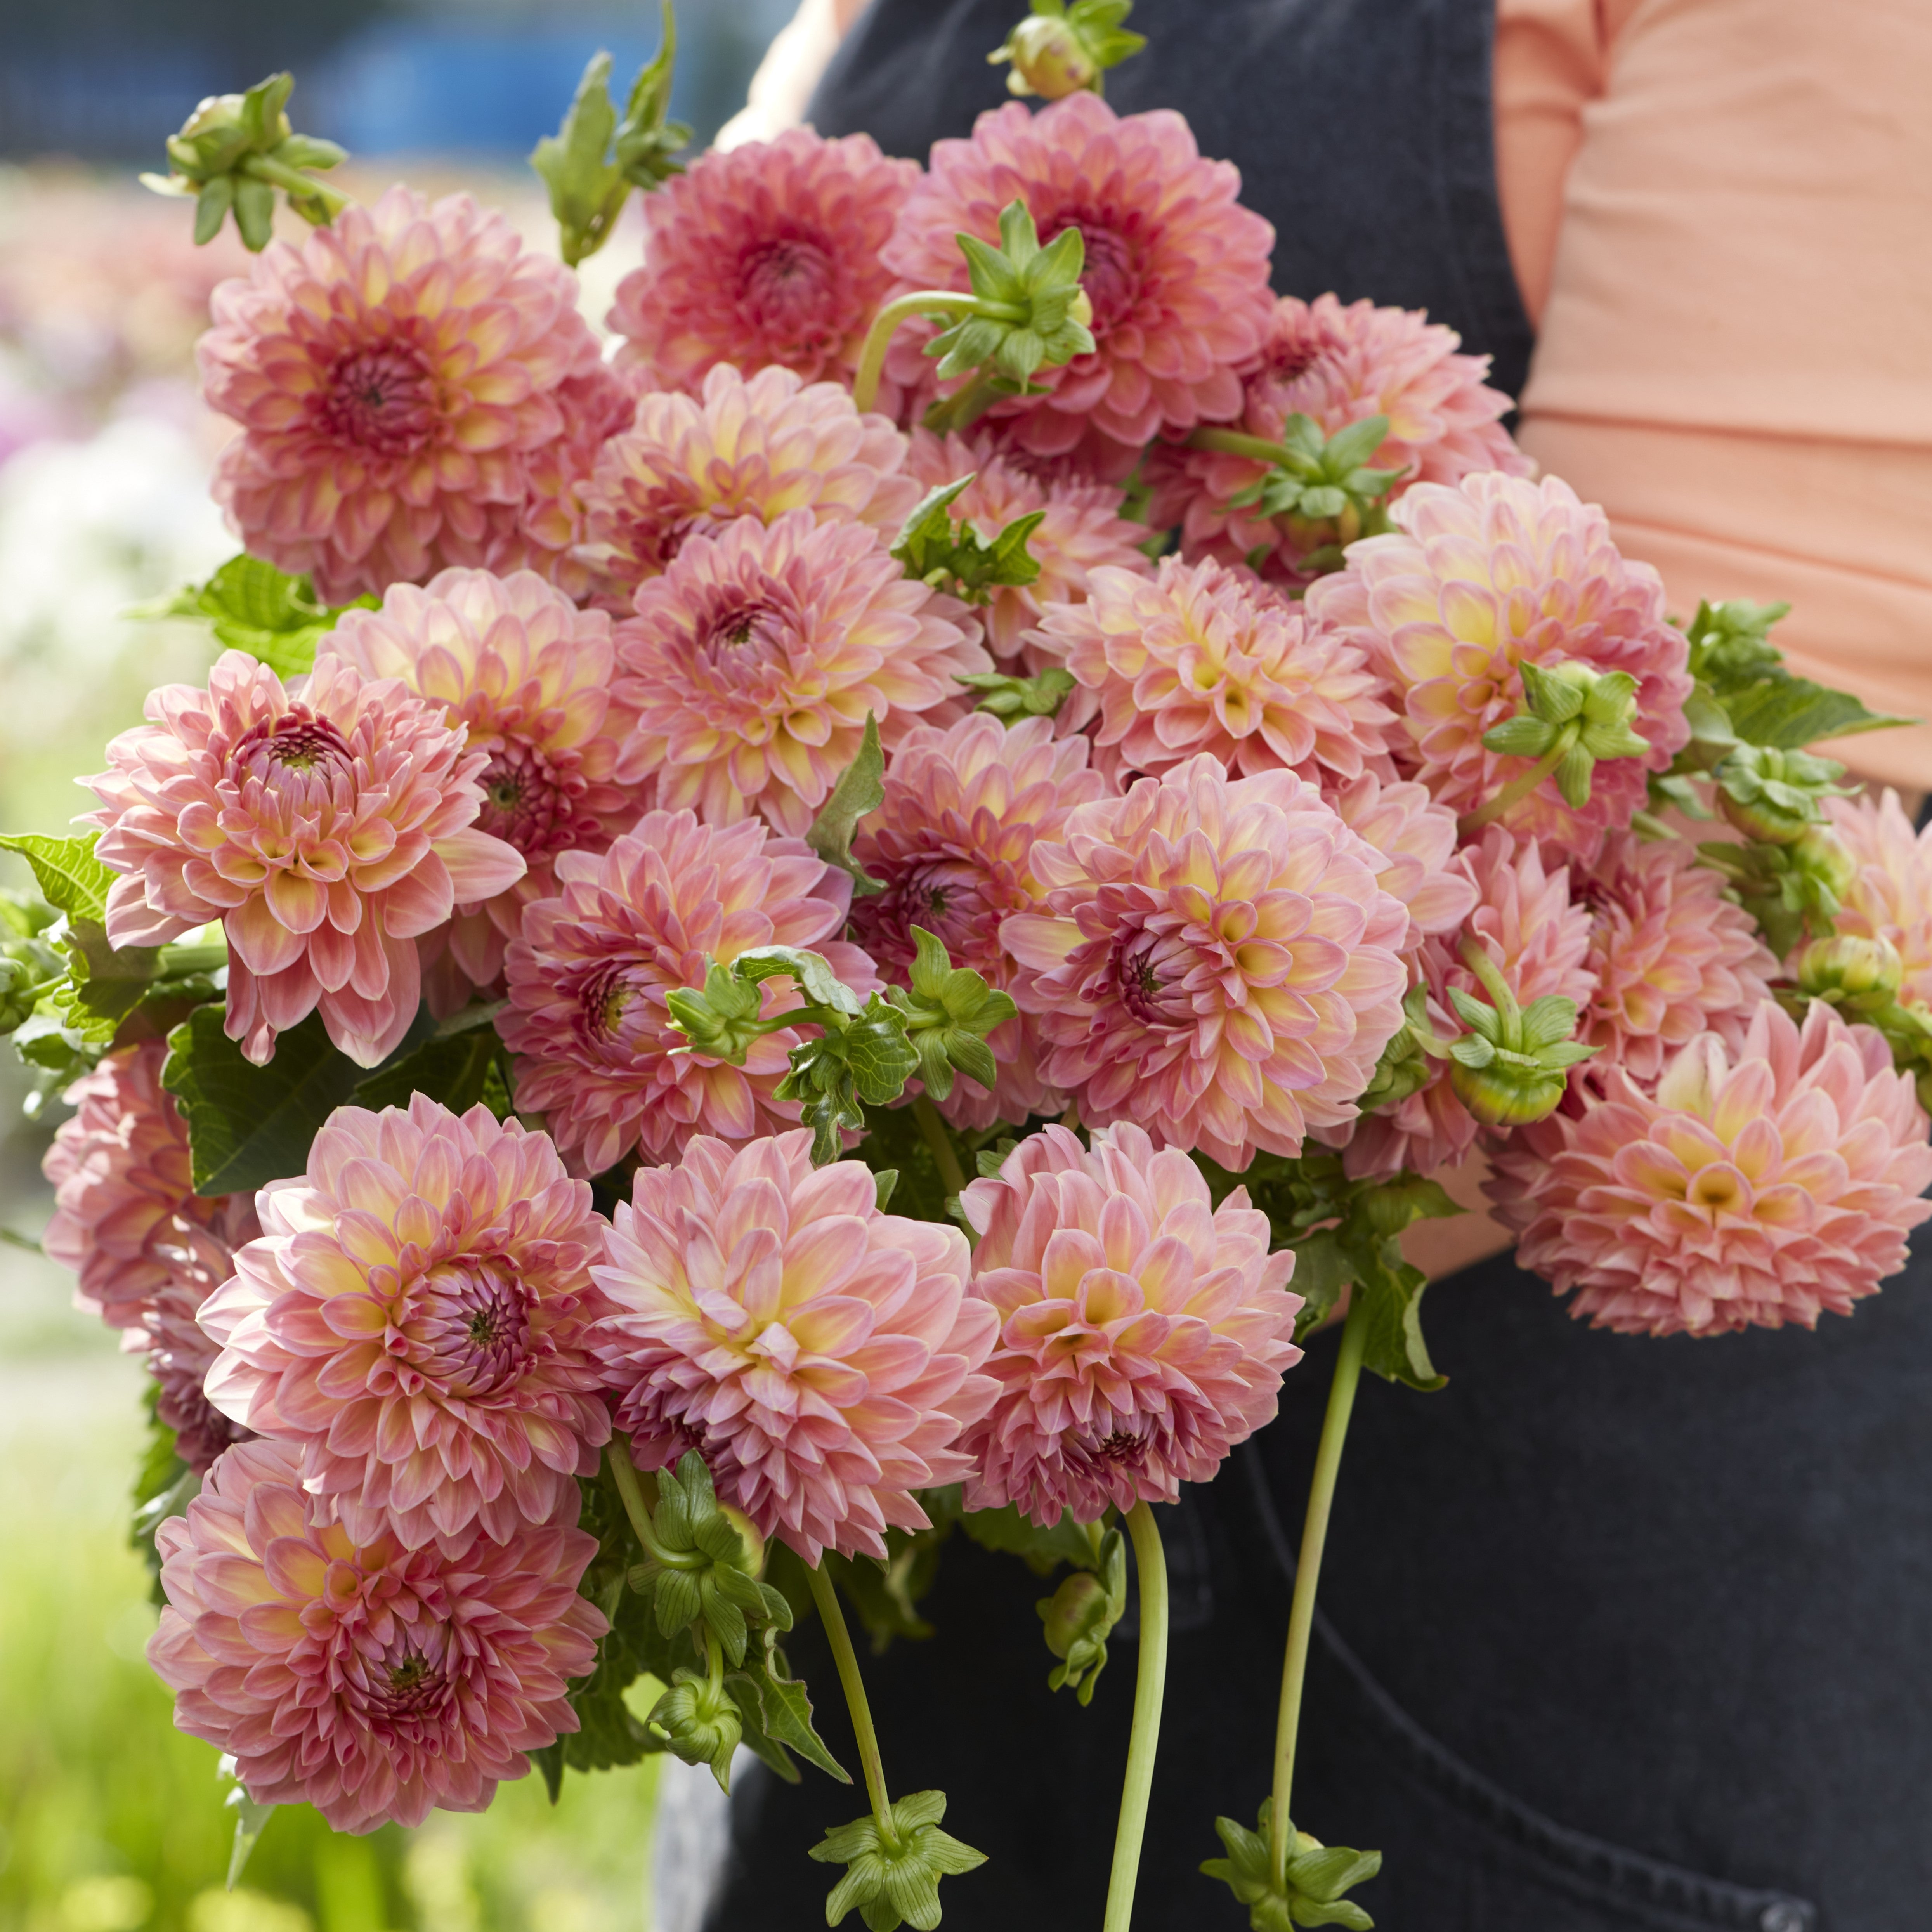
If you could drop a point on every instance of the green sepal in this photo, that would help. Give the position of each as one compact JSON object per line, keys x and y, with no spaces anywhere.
{"x":951,"y":556}
{"x":699,"y":1721}
{"x":948,"y":1012}
{"x":1009,"y":698}
{"x":1027,"y":296}
{"x":251,"y":1819}
{"x":1321,"y":486}
{"x":1317,"y":1876}
{"x":1079,"y":1617}
{"x":861,"y":789}
{"x":893,"y":1873}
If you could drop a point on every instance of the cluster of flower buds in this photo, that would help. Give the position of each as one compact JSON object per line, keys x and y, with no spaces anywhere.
{"x":233,"y":153}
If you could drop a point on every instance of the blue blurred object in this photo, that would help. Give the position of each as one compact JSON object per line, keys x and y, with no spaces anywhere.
{"x":483,"y":81}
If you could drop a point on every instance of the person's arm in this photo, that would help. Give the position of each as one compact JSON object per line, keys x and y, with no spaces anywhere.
{"x":797,"y":56}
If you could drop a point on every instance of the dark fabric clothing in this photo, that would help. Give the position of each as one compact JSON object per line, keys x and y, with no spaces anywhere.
{"x":1363,"y":130}
{"x":1618,"y":1636}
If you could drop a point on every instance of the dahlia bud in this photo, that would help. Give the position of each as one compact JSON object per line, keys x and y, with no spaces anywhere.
{"x":234,"y":150}
{"x":1821,"y":856}
{"x":1312,"y":1880}
{"x":1055,"y":52}
{"x":1573,"y":716}
{"x":893,"y":1868}
{"x":1025,"y":312}
{"x":1009,"y":698}
{"x":1080,"y":1616}
{"x":696,"y":1721}
{"x":1859,"y":975}
{"x":1404,"y":1067}
{"x":1513,"y":1068}
{"x":1776,"y":795}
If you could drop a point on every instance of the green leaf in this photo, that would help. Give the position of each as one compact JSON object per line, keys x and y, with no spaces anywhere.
{"x":1787,"y":712}
{"x":71,"y":879}
{"x":454,"y":1070}
{"x":1043,"y":1551}
{"x":880,"y":1057}
{"x":1394,"y":1346}
{"x":861,"y":789}
{"x":251,"y":1819}
{"x":254,"y":607}
{"x":775,"y":1703}
{"x":249,"y":1125}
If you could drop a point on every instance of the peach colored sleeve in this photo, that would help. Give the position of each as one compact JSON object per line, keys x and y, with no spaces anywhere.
{"x":1734,"y":356}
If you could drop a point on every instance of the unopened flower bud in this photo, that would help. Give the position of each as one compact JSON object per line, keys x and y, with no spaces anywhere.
{"x":1048,"y":58}
{"x":1080,"y":1616}
{"x":1512,"y":1069}
{"x":699,"y":1723}
{"x":1857,"y":974}
{"x":219,"y":131}
{"x":1775,"y":795}
{"x":1507,"y":1094}
{"x":1820,"y":854}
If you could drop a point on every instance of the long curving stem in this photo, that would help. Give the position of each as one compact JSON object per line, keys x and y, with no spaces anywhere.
{"x":826,"y":1598}
{"x":1308,"y":1571}
{"x":1150,"y":1686}
{"x":1519,"y":788}
{"x":878,"y":337}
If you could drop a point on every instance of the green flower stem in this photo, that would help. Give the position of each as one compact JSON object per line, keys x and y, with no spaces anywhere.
{"x":1233,"y":442}
{"x":1150,"y":1686}
{"x":714,"y":1659}
{"x":963,"y":407}
{"x":1308,"y":1570}
{"x":179,"y":962}
{"x":624,"y":1473}
{"x":1470,"y":822}
{"x":826,"y":1598}
{"x":951,"y":1173}
{"x":1476,"y":957}
{"x":878,"y":337}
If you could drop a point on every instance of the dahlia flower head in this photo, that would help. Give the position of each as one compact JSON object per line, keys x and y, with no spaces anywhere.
{"x":179,"y":1353}
{"x":1414,"y":839}
{"x":589,"y":1019}
{"x":327,"y":826}
{"x":687,"y":466}
{"x":1338,"y":364}
{"x":952,"y":843}
{"x":821,"y":1356}
{"x":1891,"y":896}
{"x":122,"y":1187}
{"x":751,"y":664}
{"x":1200,"y":658}
{"x":768,"y":253}
{"x":1755,"y":1187}
{"x":1143,"y":1332}
{"x":1478,"y":579}
{"x":1672,"y":957}
{"x":413,"y":1319}
{"x":394,"y":377}
{"x":548,"y":531}
{"x":1214,"y":960}
{"x":527,"y":675}
{"x":1177,"y":270}
{"x":372,"y":1679}
{"x":1540,"y":941}
{"x":1082,"y":530}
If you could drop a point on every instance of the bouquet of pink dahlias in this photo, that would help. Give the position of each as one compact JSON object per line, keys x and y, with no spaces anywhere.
{"x":886,"y":897}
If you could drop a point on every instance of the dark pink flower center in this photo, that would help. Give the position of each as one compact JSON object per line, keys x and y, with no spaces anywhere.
{"x":1112,"y":276}
{"x":741,"y":633}
{"x":1148,"y":965}
{"x":530,"y":804}
{"x":948,"y":895}
{"x":379,"y":400}
{"x":298,"y":747}
{"x":786,"y":283}
{"x":602,"y":997}
{"x":469,"y":1320}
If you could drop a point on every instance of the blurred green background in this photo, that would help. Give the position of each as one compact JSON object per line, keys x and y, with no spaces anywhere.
{"x":110,"y":1821}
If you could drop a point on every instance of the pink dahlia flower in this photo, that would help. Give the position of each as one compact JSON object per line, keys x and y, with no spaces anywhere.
{"x":528,"y":675}
{"x":753,"y":660}
{"x":1757,"y":1187}
{"x":589,"y":1019}
{"x":546,"y":532}
{"x":1143,"y":1333}
{"x":122,"y":1187}
{"x":687,"y":468}
{"x":1673,"y":957}
{"x":1081,"y":531}
{"x":327,"y":827}
{"x":1214,"y":960}
{"x":769,"y":253}
{"x":820,"y":1355}
{"x":1338,"y":365}
{"x":1415,"y":839}
{"x":393,"y":377}
{"x":1202,"y":658}
{"x":179,"y":1353}
{"x":368,"y":1678}
{"x":1891,"y":896}
{"x":1540,"y":941}
{"x":1177,"y":269}
{"x":413,"y":1317}
{"x":953,"y":842}
{"x":1480,"y":579}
